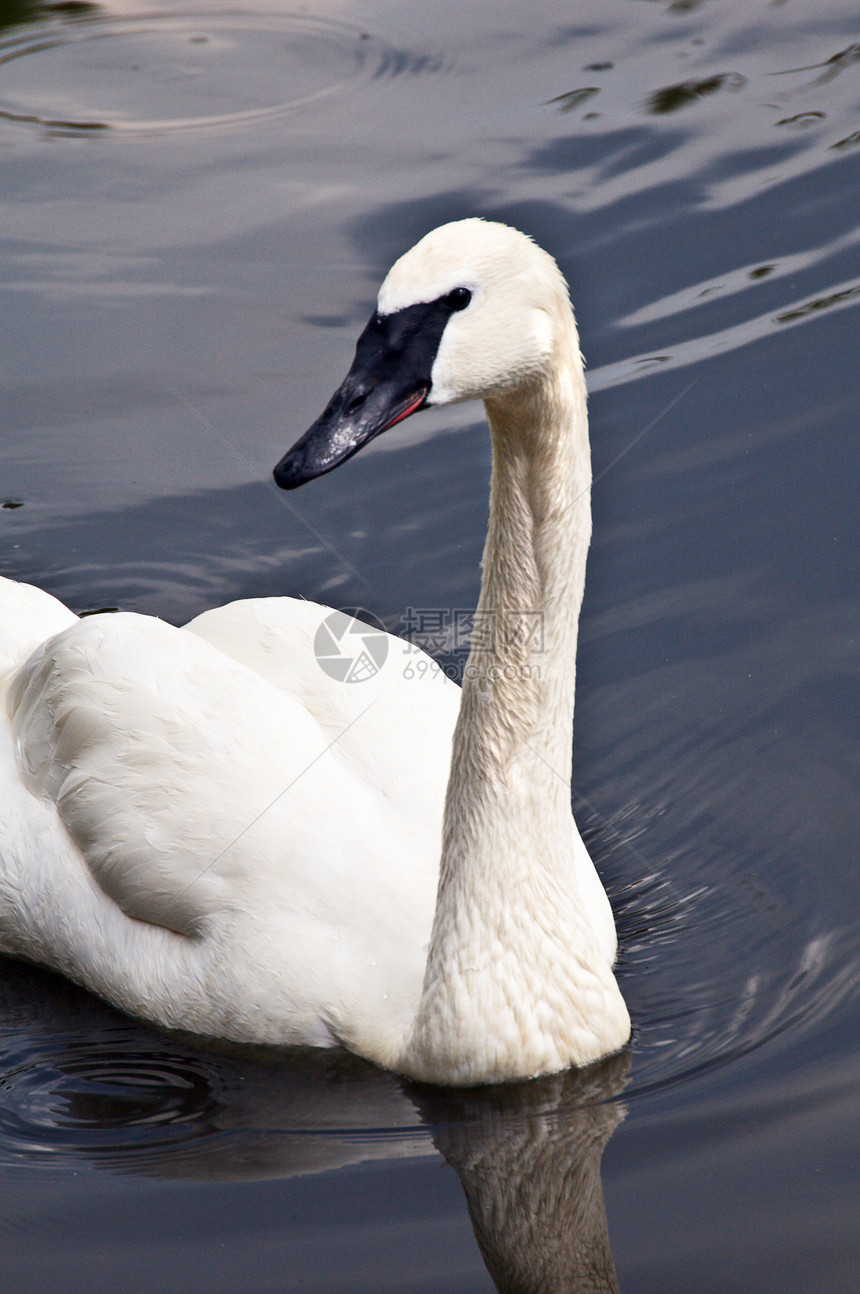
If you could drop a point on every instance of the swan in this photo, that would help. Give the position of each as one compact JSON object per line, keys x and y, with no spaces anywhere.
{"x":202,"y":826}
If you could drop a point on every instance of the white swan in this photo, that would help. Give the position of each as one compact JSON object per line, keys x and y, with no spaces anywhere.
{"x":203,"y":827}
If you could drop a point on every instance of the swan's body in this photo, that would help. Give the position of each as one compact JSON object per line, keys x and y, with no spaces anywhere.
{"x":205,"y":828}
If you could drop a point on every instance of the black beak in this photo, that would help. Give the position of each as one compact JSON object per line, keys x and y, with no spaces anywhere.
{"x":388,"y":381}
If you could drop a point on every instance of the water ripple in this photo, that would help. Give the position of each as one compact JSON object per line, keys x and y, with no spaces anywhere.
{"x":166,"y":73}
{"x":693,"y":350}
{"x":101,"y":1098}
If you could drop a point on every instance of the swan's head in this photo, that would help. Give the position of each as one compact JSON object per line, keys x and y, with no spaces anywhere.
{"x":476,"y":310}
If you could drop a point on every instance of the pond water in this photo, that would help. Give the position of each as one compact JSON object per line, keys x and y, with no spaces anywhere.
{"x":197,"y":206}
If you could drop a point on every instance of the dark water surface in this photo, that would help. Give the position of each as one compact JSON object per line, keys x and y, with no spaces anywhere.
{"x":196,"y":206}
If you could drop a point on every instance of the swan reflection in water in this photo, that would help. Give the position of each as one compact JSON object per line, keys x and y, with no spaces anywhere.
{"x":91,"y":1087}
{"x":528,"y":1158}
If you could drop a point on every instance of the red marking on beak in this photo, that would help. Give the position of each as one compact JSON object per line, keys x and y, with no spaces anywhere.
{"x":404,"y":413}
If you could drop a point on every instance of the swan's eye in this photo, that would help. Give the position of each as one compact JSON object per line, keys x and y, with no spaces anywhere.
{"x":458,"y":299}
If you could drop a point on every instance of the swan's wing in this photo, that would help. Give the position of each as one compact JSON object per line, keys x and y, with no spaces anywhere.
{"x":193,"y":787}
{"x":27,"y":617}
{"x":272,"y":636}
{"x":163,"y":757}
{"x":396,"y":716}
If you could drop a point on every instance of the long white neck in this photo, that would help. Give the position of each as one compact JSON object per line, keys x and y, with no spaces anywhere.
{"x":516,"y":983}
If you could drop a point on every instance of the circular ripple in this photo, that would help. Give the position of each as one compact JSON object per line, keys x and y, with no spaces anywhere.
{"x":713,"y":977}
{"x":166,"y":73}
{"x":106,"y":1102}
